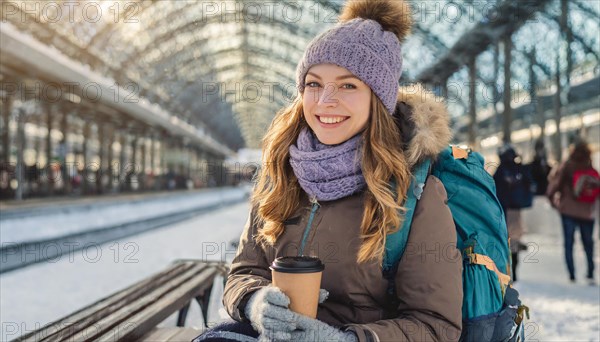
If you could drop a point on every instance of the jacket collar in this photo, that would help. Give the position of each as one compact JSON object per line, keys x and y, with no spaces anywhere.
{"x":425,"y":123}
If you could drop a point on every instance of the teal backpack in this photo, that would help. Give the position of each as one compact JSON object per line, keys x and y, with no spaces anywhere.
{"x":491,"y":308}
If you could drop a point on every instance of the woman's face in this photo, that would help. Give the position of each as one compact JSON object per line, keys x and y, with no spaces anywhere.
{"x":336,"y":103}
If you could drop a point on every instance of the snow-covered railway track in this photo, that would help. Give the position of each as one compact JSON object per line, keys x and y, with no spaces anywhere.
{"x":14,"y":256}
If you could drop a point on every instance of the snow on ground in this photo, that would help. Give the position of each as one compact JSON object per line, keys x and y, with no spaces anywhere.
{"x":58,"y":224}
{"x":31,"y":297}
{"x":44,"y":292}
{"x":560,"y":310}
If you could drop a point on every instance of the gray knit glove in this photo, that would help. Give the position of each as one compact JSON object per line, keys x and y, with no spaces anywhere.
{"x":314,"y":330}
{"x":268,"y":313}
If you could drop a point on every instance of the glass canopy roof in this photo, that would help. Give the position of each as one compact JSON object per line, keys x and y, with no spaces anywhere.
{"x":229,"y":65}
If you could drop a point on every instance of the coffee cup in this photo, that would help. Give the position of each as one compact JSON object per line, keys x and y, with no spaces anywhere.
{"x":300,"y":279}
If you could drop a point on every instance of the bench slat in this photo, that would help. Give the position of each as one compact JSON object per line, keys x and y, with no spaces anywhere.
{"x":120,"y":319}
{"x":171,"y":334}
{"x":132,"y":312}
{"x":58,"y":330}
{"x":185,"y":334}
{"x":136,"y":326}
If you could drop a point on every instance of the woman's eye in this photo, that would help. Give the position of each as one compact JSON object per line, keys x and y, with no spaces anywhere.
{"x":349,"y":86}
{"x":311,"y":84}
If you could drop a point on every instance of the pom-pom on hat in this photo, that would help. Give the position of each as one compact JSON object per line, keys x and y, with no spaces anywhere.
{"x":367,"y":42}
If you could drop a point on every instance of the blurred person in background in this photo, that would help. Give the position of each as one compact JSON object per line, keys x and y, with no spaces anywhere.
{"x":540,"y":169}
{"x":513,"y":188}
{"x":573,"y":190}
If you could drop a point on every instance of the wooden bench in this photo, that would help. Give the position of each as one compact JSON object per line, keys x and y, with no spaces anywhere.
{"x":134,"y":312}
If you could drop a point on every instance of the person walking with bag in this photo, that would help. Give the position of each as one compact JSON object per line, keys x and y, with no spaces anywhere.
{"x":325,"y":190}
{"x":573,"y":190}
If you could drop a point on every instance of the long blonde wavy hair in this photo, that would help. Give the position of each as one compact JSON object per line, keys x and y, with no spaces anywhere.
{"x":277,"y":192}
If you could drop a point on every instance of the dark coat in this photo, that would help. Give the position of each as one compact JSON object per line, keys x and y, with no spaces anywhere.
{"x":513,"y":184}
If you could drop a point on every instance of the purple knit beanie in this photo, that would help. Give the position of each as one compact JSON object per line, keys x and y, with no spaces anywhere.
{"x":367,"y":42}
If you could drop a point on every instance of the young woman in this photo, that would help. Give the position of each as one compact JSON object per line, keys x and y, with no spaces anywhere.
{"x":328,"y":164}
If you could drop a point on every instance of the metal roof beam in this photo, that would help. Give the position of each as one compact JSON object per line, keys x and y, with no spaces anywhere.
{"x":576,"y":37}
{"x":193,"y":26}
{"x":510,"y":16}
{"x":586,"y":10}
{"x":15,"y":44}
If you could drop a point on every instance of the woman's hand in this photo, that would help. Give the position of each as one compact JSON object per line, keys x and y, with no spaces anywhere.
{"x":268,"y":312}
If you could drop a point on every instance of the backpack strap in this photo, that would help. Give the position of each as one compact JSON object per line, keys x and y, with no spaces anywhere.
{"x":395,"y":243}
{"x":486,"y":261}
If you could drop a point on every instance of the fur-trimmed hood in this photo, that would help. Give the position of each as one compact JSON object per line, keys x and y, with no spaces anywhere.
{"x":424,"y":123}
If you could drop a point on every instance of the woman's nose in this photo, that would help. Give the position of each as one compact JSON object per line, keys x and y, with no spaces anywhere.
{"x":327,"y":97}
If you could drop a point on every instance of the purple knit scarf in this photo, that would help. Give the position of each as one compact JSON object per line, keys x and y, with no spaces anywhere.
{"x":327,"y":172}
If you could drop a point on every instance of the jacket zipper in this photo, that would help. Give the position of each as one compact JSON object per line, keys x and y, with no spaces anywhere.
{"x":315,"y":206}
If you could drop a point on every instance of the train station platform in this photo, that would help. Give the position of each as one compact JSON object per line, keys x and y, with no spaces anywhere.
{"x":560,"y":310}
{"x":43,"y":205}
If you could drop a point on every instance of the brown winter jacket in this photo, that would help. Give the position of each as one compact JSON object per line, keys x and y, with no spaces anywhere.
{"x":429,"y":277}
{"x":560,"y":191}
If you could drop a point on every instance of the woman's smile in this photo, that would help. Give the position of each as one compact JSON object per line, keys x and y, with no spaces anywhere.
{"x":331,"y":121}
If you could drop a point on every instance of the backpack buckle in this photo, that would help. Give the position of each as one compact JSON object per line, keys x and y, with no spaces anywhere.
{"x":418,"y":190}
{"x":460,"y":152}
{"x":472,"y":258}
{"x":469,"y":256}
{"x":522,"y":312}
